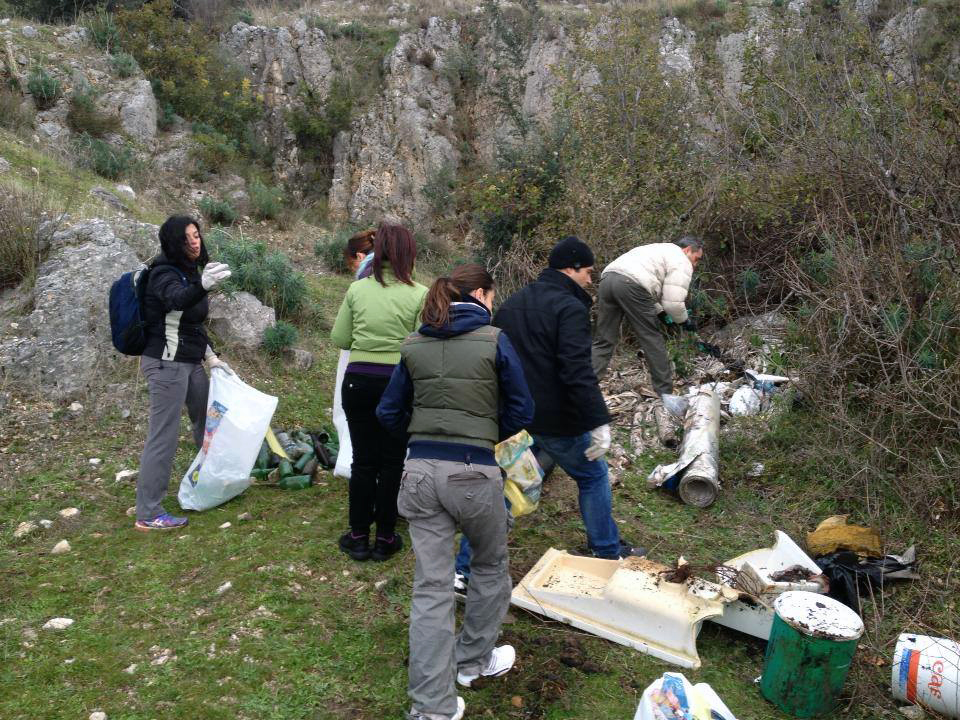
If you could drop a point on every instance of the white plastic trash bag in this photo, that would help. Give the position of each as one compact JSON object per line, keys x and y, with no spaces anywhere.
{"x":238,"y":417}
{"x":345,"y":453}
{"x":672,"y":697}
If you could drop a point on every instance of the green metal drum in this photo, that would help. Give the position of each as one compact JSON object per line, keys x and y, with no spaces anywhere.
{"x":809,"y":653}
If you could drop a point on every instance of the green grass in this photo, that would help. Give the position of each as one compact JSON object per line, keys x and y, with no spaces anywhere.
{"x":304,"y":633}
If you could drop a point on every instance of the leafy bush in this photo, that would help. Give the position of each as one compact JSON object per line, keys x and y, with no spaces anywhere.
{"x":317,"y":122}
{"x":103,"y":158}
{"x":267,"y":274}
{"x":45,"y":88}
{"x":212,"y":150}
{"x":187,"y":70}
{"x":101,"y":29}
{"x":279,"y":337}
{"x":84,"y":117}
{"x":166,"y":117}
{"x":124,"y":64}
{"x":218,"y":211}
{"x":267,"y":200}
{"x":14,"y":113}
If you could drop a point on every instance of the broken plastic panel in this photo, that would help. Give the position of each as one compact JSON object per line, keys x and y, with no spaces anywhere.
{"x":695,"y":475}
{"x":764,"y":574}
{"x":628,"y":601}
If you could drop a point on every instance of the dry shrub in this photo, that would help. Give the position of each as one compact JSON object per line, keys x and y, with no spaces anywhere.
{"x":21,"y":215}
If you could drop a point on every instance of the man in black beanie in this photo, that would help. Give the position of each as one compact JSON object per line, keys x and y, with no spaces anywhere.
{"x":548,"y":323}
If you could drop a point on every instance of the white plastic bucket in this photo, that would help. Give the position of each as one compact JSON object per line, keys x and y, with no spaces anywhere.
{"x":926,"y":671}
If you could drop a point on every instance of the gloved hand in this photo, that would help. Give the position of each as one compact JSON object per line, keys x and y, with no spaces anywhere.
{"x":213,"y":361}
{"x":599,"y":443}
{"x":689,"y":325}
{"x":665,"y":318}
{"x":214,"y":273}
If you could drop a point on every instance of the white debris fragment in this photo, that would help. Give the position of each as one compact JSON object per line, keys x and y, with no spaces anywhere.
{"x":46,"y":524}
{"x":57,"y":624}
{"x":95,"y":461}
{"x":224,"y":588}
{"x":130,"y":669}
{"x":69,"y":513}
{"x":756,"y":470}
{"x":126,"y":475}
{"x":24,"y":529}
{"x":131,"y":511}
{"x":61,"y":548}
{"x":76,"y":408}
{"x":98,"y":715}
{"x":244,"y":517}
{"x":745,"y":401}
{"x":226,"y":525}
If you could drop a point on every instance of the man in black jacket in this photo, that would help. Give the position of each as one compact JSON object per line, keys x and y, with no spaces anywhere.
{"x":548,"y":323}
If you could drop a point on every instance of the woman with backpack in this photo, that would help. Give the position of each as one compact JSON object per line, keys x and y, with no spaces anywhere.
{"x":175,"y":306}
{"x":458,"y":390}
{"x":377,"y":313}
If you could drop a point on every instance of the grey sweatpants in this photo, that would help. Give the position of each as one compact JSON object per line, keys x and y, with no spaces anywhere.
{"x":171,"y":385}
{"x":618,"y":296}
{"x":437,"y":496}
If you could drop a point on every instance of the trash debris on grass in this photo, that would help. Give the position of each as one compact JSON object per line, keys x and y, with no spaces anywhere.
{"x":835,"y":534}
{"x":763,"y":575}
{"x":630,"y":601}
{"x":69,"y":513}
{"x":926,"y":671}
{"x":695,"y":475}
{"x":24,"y":529}
{"x":853,"y":578}
{"x":673,"y":697}
{"x":57,"y":623}
{"x":290,"y":459}
{"x":61,"y":548}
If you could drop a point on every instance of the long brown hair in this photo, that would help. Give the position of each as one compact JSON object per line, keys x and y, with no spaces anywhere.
{"x":394,"y":244}
{"x":361,"y":242}
{"x":445,"y":290}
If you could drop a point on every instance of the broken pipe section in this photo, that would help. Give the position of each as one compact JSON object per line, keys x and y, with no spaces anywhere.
{"x":695,"y":475}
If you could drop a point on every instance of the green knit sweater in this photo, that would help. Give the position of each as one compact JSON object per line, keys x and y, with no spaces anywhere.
{"x":374,"y":320}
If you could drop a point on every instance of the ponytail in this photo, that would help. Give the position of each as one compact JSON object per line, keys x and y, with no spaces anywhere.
{"x":436,"y":308}
{"x":445,"y":290}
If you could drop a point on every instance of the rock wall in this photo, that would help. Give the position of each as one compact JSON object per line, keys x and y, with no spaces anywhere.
{"x":281,"y":63}
{"x":382,"y":164}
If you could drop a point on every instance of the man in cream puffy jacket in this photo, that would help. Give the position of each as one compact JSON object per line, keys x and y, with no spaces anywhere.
{"x":641,"y":283}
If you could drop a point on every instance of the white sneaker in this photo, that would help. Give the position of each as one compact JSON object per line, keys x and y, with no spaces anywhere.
{"x":460,"y":586}
{"x":501,"y":660}
{"x":461,"y":708}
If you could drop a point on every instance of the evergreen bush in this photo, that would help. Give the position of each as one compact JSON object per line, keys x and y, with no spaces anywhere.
{"x":45,"y":88}
{"x":279,"y":337}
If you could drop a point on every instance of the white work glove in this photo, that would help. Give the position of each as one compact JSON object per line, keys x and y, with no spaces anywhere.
{"x":214,"y":273}
{"x":599,"y":443}
{"x":215,"y":362}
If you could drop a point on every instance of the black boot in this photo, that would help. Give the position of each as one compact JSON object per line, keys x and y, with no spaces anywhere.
{"x":357,"y":547}
{"x":384,"y":548}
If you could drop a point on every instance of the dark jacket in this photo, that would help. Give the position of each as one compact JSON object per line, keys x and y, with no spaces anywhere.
{"x":549,"y":324}
{"x":515,"y":406}
{"x":175,"y":307}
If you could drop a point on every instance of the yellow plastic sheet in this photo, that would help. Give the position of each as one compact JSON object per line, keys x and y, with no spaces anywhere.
{"x":834,"y":534}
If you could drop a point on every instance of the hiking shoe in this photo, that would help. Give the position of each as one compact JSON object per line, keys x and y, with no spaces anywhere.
{"x":501,"y":660}
{"x":166,"y":521}
{"x":461,"y":708}
{"x":460,"y":583}
{"x":383,"y":548}
{"x":356,"y":546}
{"x":628,"y":550}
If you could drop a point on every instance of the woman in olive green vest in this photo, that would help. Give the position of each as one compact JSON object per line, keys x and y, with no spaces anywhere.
{"x":457,"y":390}
{"x":378,"y":312}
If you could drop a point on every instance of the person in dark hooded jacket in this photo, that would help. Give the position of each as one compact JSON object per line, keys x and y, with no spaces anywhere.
{"x":458,"y":390}
{"x":175,"y":306}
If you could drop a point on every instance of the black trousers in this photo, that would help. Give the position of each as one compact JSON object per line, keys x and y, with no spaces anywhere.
{"x":377,"y":457}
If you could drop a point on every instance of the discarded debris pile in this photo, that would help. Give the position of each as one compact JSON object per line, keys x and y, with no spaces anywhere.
{"x":291,"y":459}
{"x":736,"y":368}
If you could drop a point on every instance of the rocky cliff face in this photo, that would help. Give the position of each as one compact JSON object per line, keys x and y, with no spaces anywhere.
{"x":283,"y":63}
{"x":383,"y":163}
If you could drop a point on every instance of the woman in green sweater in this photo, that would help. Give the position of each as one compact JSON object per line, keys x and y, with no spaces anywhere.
{"x":376,"y":316}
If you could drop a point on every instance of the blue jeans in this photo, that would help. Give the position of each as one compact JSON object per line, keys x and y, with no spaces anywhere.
{"x":593,"y":484}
